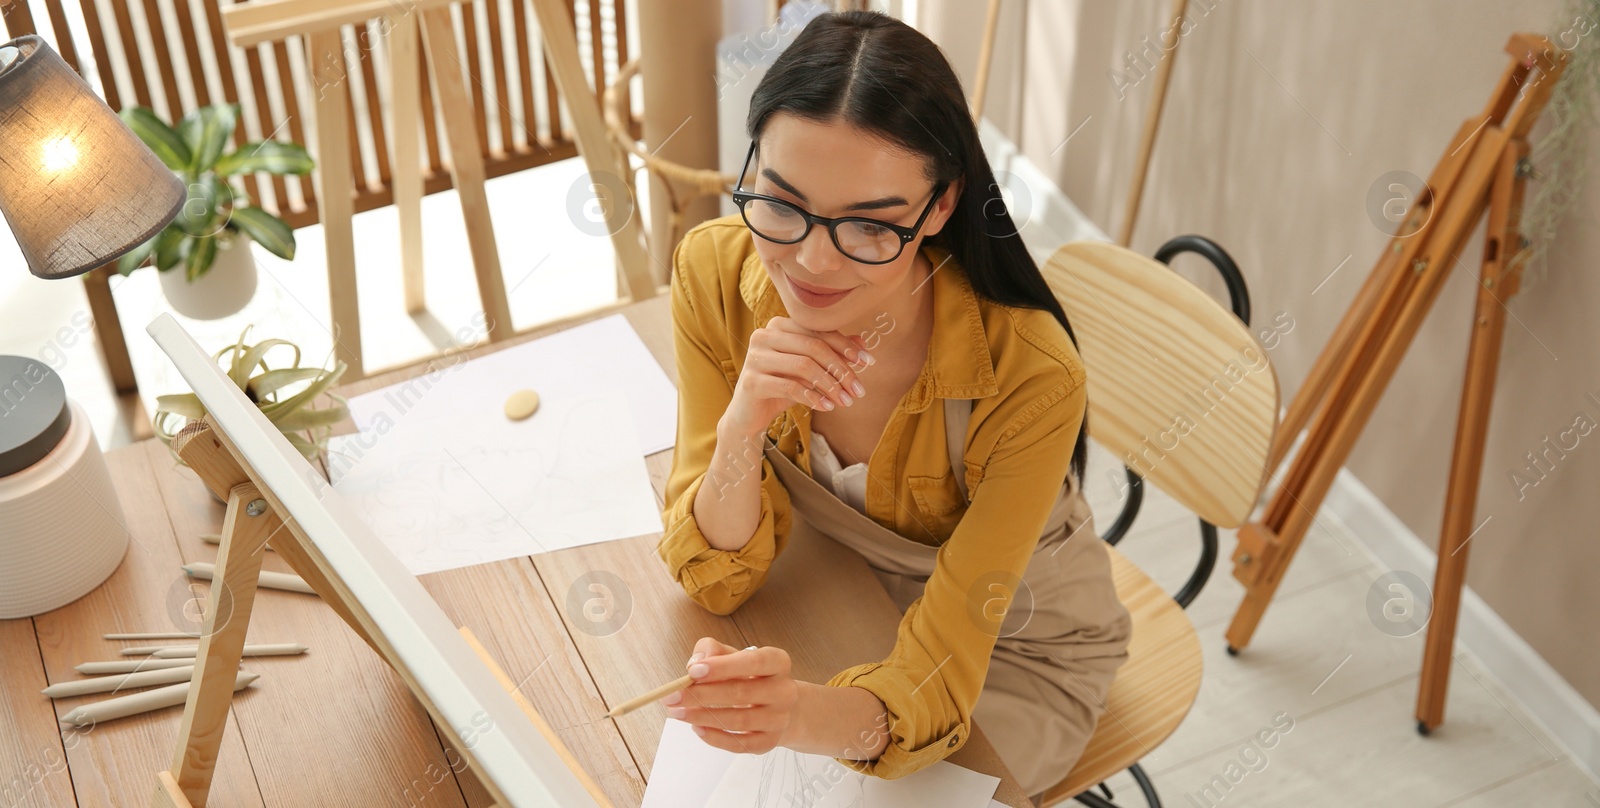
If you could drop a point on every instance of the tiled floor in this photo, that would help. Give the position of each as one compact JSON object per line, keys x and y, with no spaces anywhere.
{"x":1339,"y":691}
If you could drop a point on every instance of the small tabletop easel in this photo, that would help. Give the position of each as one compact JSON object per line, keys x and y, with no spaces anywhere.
{"x":250,"y":522}
{"x":1486,"y":166}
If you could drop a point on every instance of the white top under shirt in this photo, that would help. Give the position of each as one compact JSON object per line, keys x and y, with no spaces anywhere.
{"x":849,"y":484}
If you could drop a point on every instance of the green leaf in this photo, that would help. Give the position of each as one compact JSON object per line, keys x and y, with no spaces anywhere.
{"x":185,"y":404}
{"x":133,"y":258}
{"x":267,"y":230}
{"x":198,"y":254}
{"x":257,"y":355}
{"x":169,"y":247}
{"x":281,"y":409}
{"x":203,"y":212}
{"x":270,"y":156}
{"x":206,"y":132}
{"x":157,"y":135}
{"x":306,"y":448}
{"x":309,"y":419}
{"x":264,"y":385}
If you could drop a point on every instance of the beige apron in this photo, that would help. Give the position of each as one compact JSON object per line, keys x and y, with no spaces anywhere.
{"x":1061,"y":641}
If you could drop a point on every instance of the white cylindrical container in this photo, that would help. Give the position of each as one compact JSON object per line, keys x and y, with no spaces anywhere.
{"x":62,"y":530}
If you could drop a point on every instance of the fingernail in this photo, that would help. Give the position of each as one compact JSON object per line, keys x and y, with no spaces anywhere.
{"x":846,"y":398}
{"x":673,"y":698}
{"x":674,"y":712}
{"x":860,"y":391}
{"x":699,"y":669}
{"x":697,"y":657}
{"x":827,"y":404}
{"x":869,"y":358}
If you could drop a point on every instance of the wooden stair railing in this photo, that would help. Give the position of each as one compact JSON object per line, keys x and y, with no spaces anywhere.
{"x":180,"y":59}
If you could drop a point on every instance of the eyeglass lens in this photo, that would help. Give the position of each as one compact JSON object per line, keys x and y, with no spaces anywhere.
{"x":862,"y":241}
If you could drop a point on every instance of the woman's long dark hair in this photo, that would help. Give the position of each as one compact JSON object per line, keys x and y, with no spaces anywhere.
{"x":879,"y":74}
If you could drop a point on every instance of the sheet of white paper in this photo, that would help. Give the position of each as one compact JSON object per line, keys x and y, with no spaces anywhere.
{"x":446,"y":491}
{"x":689,"y":773}
{"x":598,"y":355}
{"x":686,"y":770}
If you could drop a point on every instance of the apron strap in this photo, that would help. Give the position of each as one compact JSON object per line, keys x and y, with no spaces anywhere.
{"x":957,"y":412}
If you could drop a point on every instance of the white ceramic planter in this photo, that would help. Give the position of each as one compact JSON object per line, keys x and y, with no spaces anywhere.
{"x":223,"y":290}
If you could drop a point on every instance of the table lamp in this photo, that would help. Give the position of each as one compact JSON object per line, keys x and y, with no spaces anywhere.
{"x":78,"y":188}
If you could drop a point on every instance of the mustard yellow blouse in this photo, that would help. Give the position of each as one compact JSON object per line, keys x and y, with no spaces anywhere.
{"x":1028,"y":382}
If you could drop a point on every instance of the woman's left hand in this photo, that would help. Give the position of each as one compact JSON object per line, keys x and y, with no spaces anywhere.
{"x":741,"y":700}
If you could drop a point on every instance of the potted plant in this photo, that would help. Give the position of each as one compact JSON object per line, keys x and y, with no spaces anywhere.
{"x":206,"y":267}
{"x":286,"y":395}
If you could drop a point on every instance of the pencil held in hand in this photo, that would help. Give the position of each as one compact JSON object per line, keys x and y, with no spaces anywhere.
{"x":645,"y":698}
{"x":639,"y":701}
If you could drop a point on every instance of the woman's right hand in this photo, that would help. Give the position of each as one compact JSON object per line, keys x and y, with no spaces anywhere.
{"x":788,"y":363}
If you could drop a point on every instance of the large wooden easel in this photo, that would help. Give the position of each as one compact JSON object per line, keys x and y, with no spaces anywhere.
{"x":1486,"y":165}
{"x":404,"y":21}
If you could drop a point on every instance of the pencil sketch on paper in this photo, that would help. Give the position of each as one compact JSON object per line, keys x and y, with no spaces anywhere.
{"x":446,"y":493}
{"x":784,"y":778}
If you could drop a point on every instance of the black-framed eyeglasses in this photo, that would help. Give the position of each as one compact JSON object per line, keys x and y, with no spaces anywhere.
{"x":869,"y":241}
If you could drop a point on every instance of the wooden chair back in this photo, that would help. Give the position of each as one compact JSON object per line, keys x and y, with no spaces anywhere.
{"x":1179,"y":389}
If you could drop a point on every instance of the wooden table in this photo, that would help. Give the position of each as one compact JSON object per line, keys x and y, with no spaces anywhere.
{"x":337,"y":726}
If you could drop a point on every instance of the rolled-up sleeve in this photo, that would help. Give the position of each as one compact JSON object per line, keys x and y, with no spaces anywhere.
{"x":719,"y":580}
{"x":931,"y":681}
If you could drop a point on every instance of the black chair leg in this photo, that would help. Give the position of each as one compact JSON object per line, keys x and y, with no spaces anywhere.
{"x":1146,"y":787}
{"x":1094,"y":800}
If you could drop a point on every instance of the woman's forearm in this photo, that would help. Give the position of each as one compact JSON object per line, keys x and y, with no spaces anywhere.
{"x":844,"y":722}
{"x":728,"y":505}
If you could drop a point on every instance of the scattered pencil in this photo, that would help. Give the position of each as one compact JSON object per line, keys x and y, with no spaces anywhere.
{"x":203,"y":570}
{"x":107,"y":684}
{"x":189,"y":651}
{"x":130,"y":665}
{"x":216,"y":538}
{"x":135,"y":703}
{"x":155,"y":635}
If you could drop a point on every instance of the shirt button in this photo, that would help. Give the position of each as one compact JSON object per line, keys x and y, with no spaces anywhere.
{"x":953,"y":740}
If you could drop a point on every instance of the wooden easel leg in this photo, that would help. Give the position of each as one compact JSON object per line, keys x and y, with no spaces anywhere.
{"x":1315,"y":388}
{"x":295,"y":555}
{"x":406,"y":104}
{"x":1495,"y":285}
{"x":1381,"y":347}
{"x":1459,"y":190}
{"x":245,"y":529}
{"x":335,"y":185}
{"x":561,"y":51}
{"x":466,"y":166}
{"x":1340,"y":358}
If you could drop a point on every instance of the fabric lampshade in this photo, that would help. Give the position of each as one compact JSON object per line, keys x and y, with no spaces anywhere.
{"x":77,"y":186}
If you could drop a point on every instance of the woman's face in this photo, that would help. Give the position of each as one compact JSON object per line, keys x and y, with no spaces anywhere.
{"x":833,"y":170}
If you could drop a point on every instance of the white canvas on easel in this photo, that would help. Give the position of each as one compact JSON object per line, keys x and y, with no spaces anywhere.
{"x":520,"y":762}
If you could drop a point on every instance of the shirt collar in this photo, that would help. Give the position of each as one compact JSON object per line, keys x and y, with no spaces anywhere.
{"x":958,"y":366}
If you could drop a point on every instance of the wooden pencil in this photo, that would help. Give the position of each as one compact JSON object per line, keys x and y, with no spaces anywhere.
{"x":645,"y":698}
{"x":639,"y":701}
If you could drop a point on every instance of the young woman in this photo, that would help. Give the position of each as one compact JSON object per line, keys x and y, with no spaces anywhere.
{"x":868,"y":352}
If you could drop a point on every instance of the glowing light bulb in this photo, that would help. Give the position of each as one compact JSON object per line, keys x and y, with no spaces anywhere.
{"x":60,"y":154}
